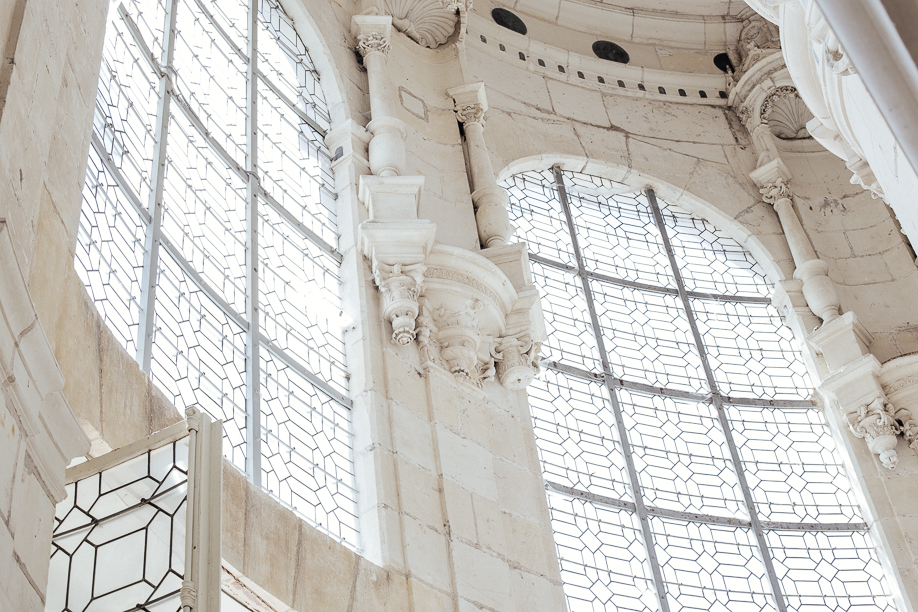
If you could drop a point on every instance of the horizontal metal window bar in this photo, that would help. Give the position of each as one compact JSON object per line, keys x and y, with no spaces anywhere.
{"x":647,"y":287}
{"x":303,"y":116}
{"x":140,"y":42}
{"x":620,"y":383}
{"x":299,"y":226}
{"x":202,"y":284}
{"x":296,"y":366}
{"x":223,"y":34}
{"x":119,"y":178}
{"x":591,"y":497}
{"x":144,"y":502}
{"x":240,"y":171}
{"x":306,"y":463}
{"x":697,"y":517}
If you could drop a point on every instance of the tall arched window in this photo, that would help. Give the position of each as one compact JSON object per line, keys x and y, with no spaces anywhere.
{"x":686,"y":466}
{"x":208,"y":237}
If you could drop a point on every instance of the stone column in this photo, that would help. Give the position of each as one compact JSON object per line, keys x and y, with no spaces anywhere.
{"x":818,"y":289}
{"x":387,"y":148}
{"x":491,"y":201}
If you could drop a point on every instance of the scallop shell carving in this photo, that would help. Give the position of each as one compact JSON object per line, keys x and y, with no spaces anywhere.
{"x":787,"y":117}
{"x":426,"y":22}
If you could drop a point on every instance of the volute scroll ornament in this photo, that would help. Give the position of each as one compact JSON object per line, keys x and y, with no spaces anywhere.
{"x":399,"y":286}
{"x":373,"y":42}
{"x":880,"y":424}
{"x":517,"y":361}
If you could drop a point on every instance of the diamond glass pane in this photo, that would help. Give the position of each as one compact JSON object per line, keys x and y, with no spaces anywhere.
{"x":647,"y":337}
{"x":118,"y":542}
{"x":294,"y":166}
{"x":603,"y":559}
{"x":829,"y":571}
{"x":713,"y":568}
{"x":750,"y":350}
{"x":616,"y":232}
{"x":300,"y":304}
{"x":681,"y":455}
{"x":576,"y":434}
{"x":709,"y":260}
{"x":211,"y":79}
{"x":567,"y":319}
{"x":791,"y":465}
{"x":204,"y":212}
{"x":285,"y":59}
{"x":536,"y":212}
{"x":307,"y":453}
{"x":110,"y":251}
{"x":199,"y":355}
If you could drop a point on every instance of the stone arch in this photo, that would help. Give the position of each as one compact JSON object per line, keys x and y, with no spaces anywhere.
{"x":773,"y":255}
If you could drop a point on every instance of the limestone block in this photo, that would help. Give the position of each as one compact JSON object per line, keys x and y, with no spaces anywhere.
{"x":535,"y":593}
{"x":467,"y":464}
{"x":10,"y":457}
{"x":507,"y":438}
{"x":426,"y":554}
{"x":326,"y":571}
{"x":481,"y":577}
{"x":271,"y":543}
{"x":459,"y":511}
{"x":412,"y":435}
{"x":420,"y":495}
{"x":475,"y":419}
{"x":841,"y":341}
{"x":429,"y":599}
{"x":233,"y":507}
{"x":520,"y":491}
{"x":577,"y":103}
{"x":31,"y":522}
{"x":529,"y":544}
{"x":444,"y":399}
{"x":378,"y":590}
{"x":405,"y":384}
{"x":489,"y":523}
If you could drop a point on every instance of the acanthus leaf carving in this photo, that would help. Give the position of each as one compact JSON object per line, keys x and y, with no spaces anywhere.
{"x":470,"y":113}
{"x":517,"y":360}
{"x":399,"y":285}
{"x":880,"y":424}
{"x":775,"y":190}
{"x":374,"y":42}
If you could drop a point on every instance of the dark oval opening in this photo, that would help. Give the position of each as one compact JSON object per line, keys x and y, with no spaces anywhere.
{"x":723,"y":63}
{"x":610,"y":51}
{"x":506,"y":19}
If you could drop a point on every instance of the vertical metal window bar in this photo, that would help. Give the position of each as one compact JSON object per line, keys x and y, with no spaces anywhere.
{"x":751,"y":537}
{"x":718,"y":403}
{"x":310,"y":454}
{"x":613,"y":398}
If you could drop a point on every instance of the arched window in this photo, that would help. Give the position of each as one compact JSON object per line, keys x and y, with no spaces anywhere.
{"x":208,"y":237}
{"x":686,"y":466}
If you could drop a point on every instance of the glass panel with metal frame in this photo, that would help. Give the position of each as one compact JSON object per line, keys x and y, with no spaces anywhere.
{"x":208,"y":237}
{"x":686,"y":466}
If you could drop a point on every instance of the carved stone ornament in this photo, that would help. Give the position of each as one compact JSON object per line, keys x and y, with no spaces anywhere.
{"x":472,"y":322}
{"x":880,"y":424}
{"x":757,"y":35}
{"x":822,"y":36}
{"x":786,"y":114}
{"x":457,"y":5}
{"x":429,"y":23}
{"x":862,"y":174}
{"x":372,"y":43}
{"x":517,"y":360}
{"x":470,"y":113}
{"x":775,"y":190}
{"x":399,"y":286}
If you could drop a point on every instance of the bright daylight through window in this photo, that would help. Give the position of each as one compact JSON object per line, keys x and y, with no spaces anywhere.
{"x":686,"y":467}
{"x":208,"y":237}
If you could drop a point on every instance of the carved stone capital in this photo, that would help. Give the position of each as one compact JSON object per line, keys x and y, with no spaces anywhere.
{"x":372,"y":43}
{"x":775,"y":190}
{"x":469,"y":102}
{"x":517,"y":360}
{"x":876,"y":423}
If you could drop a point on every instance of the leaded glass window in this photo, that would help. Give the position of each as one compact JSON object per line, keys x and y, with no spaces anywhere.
{"x":686,"y":466}
{"x":208,"y":237}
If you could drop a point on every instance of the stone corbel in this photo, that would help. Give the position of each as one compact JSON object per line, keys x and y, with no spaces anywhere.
{"x":396,"y":242}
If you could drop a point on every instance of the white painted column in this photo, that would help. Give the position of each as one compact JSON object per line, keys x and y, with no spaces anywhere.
{"x":491,"y":201}
{"x":387,"y":148}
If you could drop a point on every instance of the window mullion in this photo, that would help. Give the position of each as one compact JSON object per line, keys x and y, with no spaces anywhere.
{"x":154,"y":229}
{"x":718,"y":404}
{"x":252,"y":341}
{"x":633,"y":480}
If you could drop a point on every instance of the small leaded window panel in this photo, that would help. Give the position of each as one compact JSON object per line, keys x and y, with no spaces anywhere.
{"x":208,"y":237}
{"x":686,"y":466}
